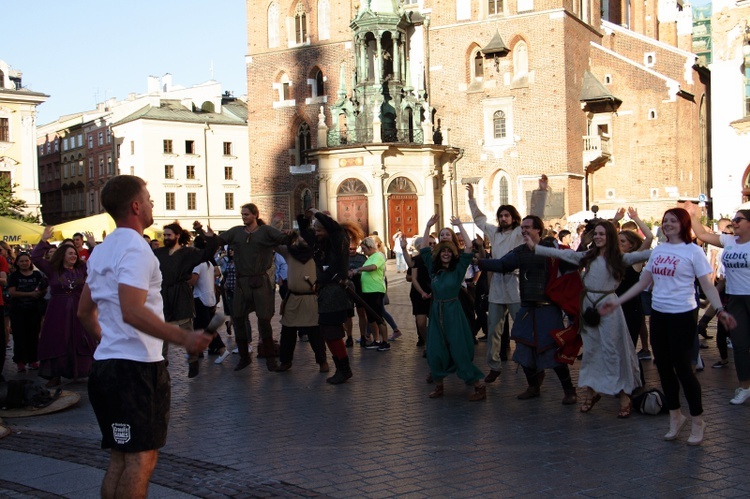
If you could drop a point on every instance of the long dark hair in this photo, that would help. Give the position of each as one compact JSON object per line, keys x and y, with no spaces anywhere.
{"x":183,"y":236}
{"x":437,"y":265}
{"x":514,"y":215}
{"x":683,"y":217}
{"x":611,"y":253}
{"x":253,"y":208}
{"x":58,"y":258}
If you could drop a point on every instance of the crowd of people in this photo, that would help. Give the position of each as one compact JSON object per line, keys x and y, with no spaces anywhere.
{"x":561,"y":296}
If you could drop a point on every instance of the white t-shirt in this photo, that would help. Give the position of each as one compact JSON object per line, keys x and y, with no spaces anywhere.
{"x":736,"y":260}
{"x":124,"y":258}
{"x":204,"y":286}
{"x":674,"y":268}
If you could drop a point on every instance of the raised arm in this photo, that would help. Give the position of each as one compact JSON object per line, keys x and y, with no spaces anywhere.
{"x":37,"y":254}
{"x":457,"y":222}
{"x":426,"y":238}
{"x":648,"y":236}
{"x":480,"y":219}
{"x":610,"y":305}
{"x":407,"y":256}
{"x":700,"y":231}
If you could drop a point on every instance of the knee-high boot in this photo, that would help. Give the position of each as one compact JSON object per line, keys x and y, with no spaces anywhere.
{"x":563,"y":374}
{"x":343,"y":371}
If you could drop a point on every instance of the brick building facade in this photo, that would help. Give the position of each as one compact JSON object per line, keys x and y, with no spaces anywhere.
{"x":505,"y":90}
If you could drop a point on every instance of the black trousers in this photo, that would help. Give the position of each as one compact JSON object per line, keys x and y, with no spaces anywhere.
{"x":289,"y":342}
{"x":672,"y":338}
{"x":25,"y":325}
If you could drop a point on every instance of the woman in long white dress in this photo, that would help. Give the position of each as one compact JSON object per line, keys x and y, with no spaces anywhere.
{"x":609,"y":365}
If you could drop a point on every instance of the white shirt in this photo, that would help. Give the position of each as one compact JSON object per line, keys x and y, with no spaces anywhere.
{"x":124,"y":258}
{"x":674,"y":268}
{"x":204,"y":286}
{"x":503,"y":287}
{"x":736,"y":261}
{"x":397,"y":245}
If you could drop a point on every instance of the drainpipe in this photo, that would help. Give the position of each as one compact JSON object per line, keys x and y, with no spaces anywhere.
{"x":454,"y":181}
{"x":205,"y":169}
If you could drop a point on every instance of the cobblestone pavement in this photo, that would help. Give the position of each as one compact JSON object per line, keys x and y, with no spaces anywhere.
{"x":258,"y":434}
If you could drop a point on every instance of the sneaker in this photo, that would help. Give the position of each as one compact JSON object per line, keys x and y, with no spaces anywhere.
{"x":221,"y":358}
{"x":729,"y":343}
{"x":644,"y":355}
{"x":372,"y":346}
{"x":720,"y":364}
{"x":384,"y":347}
{"x":396,"y":335}
{"x":236,"y":350}
{"x":740,"y":395}
{"x":699,"y":364}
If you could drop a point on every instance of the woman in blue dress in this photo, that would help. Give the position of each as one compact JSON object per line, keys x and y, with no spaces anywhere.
{"x":450,"y":343}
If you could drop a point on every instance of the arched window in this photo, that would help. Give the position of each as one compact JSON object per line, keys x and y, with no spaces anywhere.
{"x":303,"y":143}
{"x":477,"y":68}
{"x":285,"y":92}
{"x":502,"y":191}
{"x":324,"y":20}
{"x":319,"y":81}
{"x":351,"y":186}
{"x":498,"y":124}
{"x":520,"y":60}
{"x":273,"y":25}
{"x":306,"y":200}
{"x":300,"y":24}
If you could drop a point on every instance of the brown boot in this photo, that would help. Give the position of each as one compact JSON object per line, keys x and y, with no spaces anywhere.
{"x":480,"y":393}
{"x":437,"y":392}
{"x":530,"y":393}
{"x":242,"y":346}
{"x":324,"y":368}
{"x":270,"y":353}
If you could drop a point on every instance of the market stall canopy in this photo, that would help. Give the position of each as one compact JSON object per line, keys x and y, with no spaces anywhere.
{"x":99,"y":225}
{"x":15,"y":231}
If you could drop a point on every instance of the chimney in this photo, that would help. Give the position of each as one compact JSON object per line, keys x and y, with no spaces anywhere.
{"x":153,"y":84}
{"x":166,"y":83}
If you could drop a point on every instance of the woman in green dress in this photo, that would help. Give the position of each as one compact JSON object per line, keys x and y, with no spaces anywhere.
{"x":450,"y":343}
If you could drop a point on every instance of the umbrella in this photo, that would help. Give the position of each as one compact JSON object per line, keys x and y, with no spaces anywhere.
{"x":17,"y":232}
{"x":97,"y":224}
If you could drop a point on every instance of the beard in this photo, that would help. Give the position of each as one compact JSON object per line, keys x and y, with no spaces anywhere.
{"x":170,"y":243}
{"x":503,"y":225}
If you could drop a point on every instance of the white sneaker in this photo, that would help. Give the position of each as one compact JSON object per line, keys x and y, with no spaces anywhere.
{"x":729,"y":343}
{"x":740,"y":395}
{"x":699,"y":365}
{"x":221,"y":358}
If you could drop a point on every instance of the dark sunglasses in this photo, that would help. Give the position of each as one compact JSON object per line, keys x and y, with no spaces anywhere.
{"x":737,"y":220}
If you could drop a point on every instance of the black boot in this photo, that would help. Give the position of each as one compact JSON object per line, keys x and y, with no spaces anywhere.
{"x":343,"y":371}
{"x":244,"y":354}
{"x":193,"y":368}
{"x":563,"y":374}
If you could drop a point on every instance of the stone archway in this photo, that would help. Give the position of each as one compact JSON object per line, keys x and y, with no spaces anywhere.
{"x":351,"y":203}
{"x":402,"y":208}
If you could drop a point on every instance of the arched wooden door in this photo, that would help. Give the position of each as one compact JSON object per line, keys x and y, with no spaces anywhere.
{"x":402,"y":208}
{"x":351,"y":203}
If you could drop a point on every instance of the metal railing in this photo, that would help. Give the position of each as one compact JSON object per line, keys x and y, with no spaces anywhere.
{"x":365,"y":136}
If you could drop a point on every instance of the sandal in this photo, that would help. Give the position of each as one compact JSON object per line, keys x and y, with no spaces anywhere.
{"x":589,"y":404}
{"x":624,"y":411}
{"x":437,"y":392}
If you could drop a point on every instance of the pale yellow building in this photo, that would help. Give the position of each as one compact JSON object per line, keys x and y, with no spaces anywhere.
{"x":18,"y":158}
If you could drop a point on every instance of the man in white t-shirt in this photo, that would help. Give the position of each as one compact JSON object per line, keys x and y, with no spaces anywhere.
{"x":121,"y":307}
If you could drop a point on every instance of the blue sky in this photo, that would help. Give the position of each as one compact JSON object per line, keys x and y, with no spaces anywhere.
{"x":85,"y":51}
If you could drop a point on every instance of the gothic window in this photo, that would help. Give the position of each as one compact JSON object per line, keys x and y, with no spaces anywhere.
{"x":494,"y":7}
{"x":351,"y":186}
{"x":498,"y":124}
{"x":306,"y":200}
{"x":273,"y":25}
{"x":300,"y":24}
{"x":324,"y":20}
{"x":477,"y":67}
{"x":303,"y":143}
{"x":319,"y":89}
{"x":502,"y":191}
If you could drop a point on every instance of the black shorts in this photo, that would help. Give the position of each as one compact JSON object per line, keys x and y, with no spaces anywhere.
{"x":131,"y":402}
{"x":375,"y":301}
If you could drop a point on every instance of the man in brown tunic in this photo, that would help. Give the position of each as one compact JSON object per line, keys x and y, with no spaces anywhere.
{"x":253,"y":244}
